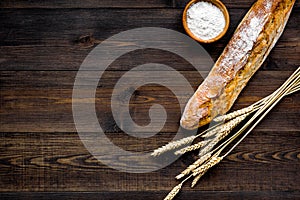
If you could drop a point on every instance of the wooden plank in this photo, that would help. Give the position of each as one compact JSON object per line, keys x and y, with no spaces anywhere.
{"x":228,"y":3}
{"x":86,"y":4}
{"x":41,"y":101}
{"x":246,"y":195}
{"x":34,"y":39}
{"x":114,"y":4}
{"x":59,"y":162}
{"x":41,"y":154}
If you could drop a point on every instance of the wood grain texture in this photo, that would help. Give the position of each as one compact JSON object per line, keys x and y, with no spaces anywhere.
{"x":60,"y":162}
{"x":247,"y":195}
{"x":114,"y":4}
{"x":87,"y":4}
{"x":227,"y":3}
{"x":45,"y":97}
{"x":42,"y":45}
{"x":28,"y":40}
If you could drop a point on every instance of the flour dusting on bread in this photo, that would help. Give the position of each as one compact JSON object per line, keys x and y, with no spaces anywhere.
{"x":246,"y":51}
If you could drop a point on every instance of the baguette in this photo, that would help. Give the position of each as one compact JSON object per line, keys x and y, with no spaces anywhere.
{"x":249,"y":46}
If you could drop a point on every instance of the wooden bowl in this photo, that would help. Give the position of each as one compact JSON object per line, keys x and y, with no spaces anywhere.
{"x":217,"y":3}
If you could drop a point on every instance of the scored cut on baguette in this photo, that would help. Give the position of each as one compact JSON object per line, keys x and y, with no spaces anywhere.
{"x":249,"y":46}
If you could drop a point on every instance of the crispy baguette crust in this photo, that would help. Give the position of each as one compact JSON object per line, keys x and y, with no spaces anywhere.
{"x":244,"y":54}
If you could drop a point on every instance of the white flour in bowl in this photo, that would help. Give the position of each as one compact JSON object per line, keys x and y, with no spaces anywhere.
{"x":205,"y":20}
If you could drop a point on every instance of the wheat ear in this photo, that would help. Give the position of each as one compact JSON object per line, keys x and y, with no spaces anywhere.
{"x":235,"y":114}
{"x":213,"y":131}
{"x":176,"y":189}
{"x":197,"y":178}
{"x":224,"y":131}
{"x":178,"y":143}
{"x":208,"y":147}
{"x":192,"y":147}
{"x":173,"y":145}
{"x":271,"y":101}
{"x":212,"y":162}
{"x":173,"y":192}
{"x":200,"y":171}
{"x":193,"y":166}
{"x":209,"y":164}
{"x":228,"y":126}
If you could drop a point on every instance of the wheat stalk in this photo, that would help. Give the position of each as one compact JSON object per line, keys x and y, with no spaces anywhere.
{"x":252,"y":108}
{"x":290,"y":86}
{"x":260,"y":110}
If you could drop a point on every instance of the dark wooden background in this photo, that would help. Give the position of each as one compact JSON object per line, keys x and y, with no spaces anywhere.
{"x":43,"y":43}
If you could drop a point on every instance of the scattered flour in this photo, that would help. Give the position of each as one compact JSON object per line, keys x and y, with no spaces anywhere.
{"x":205,"y":20}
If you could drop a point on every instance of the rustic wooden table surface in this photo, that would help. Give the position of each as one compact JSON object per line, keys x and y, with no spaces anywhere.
{"x":42,"y":45}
